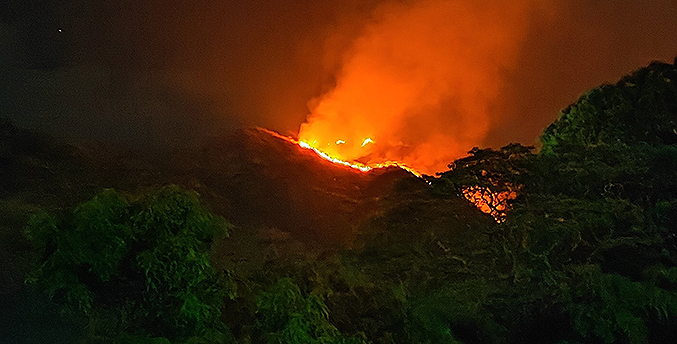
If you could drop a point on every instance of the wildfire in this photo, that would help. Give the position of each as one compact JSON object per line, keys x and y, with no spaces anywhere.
{"x":492,"y":203}
{"x":422,"y":83}
{"x":352,"y":164}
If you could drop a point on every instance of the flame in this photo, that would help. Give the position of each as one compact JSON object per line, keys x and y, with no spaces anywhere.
{"x":492,"y":203}
{"x":495,"y":204}
{"x":336,"y":160}
{"x":421,"y":85}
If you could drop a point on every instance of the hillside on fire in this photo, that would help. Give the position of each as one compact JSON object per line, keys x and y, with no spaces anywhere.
{"x":253,"y":238}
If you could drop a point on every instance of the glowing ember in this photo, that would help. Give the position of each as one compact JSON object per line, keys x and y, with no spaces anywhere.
{"x":367,"y":140}
{"x":335,"y":160}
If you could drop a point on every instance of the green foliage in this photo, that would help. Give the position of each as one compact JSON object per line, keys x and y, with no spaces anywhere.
{"x":286,"y":316}
{"x":454,"y":313}
{"x":559,"y":231}
{"x":125,"y":338}
{"x":640,"y":108}
{"x":611,"y":307}
{"x":641,"y":173}
{"x":142,"y":263}
{"x":591,"y":233}
{"x":498,"y":170}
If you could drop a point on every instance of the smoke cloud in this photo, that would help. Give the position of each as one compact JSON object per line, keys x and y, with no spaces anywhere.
{"x":422,"y":83}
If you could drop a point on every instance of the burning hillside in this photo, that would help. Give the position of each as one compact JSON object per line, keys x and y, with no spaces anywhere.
{"x":336,"y":159}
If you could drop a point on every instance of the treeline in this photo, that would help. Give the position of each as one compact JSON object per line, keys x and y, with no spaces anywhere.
{"x":585,"y":251}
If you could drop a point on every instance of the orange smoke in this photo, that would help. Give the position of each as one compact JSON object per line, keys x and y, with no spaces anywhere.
{"x":420,"y":85}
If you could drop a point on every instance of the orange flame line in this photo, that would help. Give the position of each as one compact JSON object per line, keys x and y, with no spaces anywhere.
{"x":324,"y":155}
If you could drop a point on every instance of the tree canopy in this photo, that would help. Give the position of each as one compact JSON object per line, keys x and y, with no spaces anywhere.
{"x":134,"y":265}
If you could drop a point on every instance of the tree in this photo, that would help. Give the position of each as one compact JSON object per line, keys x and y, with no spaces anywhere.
{"x":134,"y":266}
{"x":591,"y":232}
{"x":286,"y":316}
{"x":641,"y":107}
{"x":488,"y":178}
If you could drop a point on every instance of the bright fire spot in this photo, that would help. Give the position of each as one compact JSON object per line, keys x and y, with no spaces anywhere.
{"x":367,"y":140}
{"x":335,"y":160}
{"x":340,"y":142}
{"x":495,"y":204}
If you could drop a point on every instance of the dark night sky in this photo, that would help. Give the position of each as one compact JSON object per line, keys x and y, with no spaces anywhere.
{"x":169,"y":73}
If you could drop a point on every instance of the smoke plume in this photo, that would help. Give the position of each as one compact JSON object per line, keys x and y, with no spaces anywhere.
{"x":421,"y":85}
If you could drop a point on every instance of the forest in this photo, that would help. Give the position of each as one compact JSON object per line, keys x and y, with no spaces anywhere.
{"x":99,"y":245}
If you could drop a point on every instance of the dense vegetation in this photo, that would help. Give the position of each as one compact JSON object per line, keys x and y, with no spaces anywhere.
{"x":592,"y":233}
{"x":586,"y":251}
{"x":134,"y":267}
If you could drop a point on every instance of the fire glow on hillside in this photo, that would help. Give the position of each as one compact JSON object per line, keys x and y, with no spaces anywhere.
{"x":494,"y":204}
{"x":336,"y":160}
